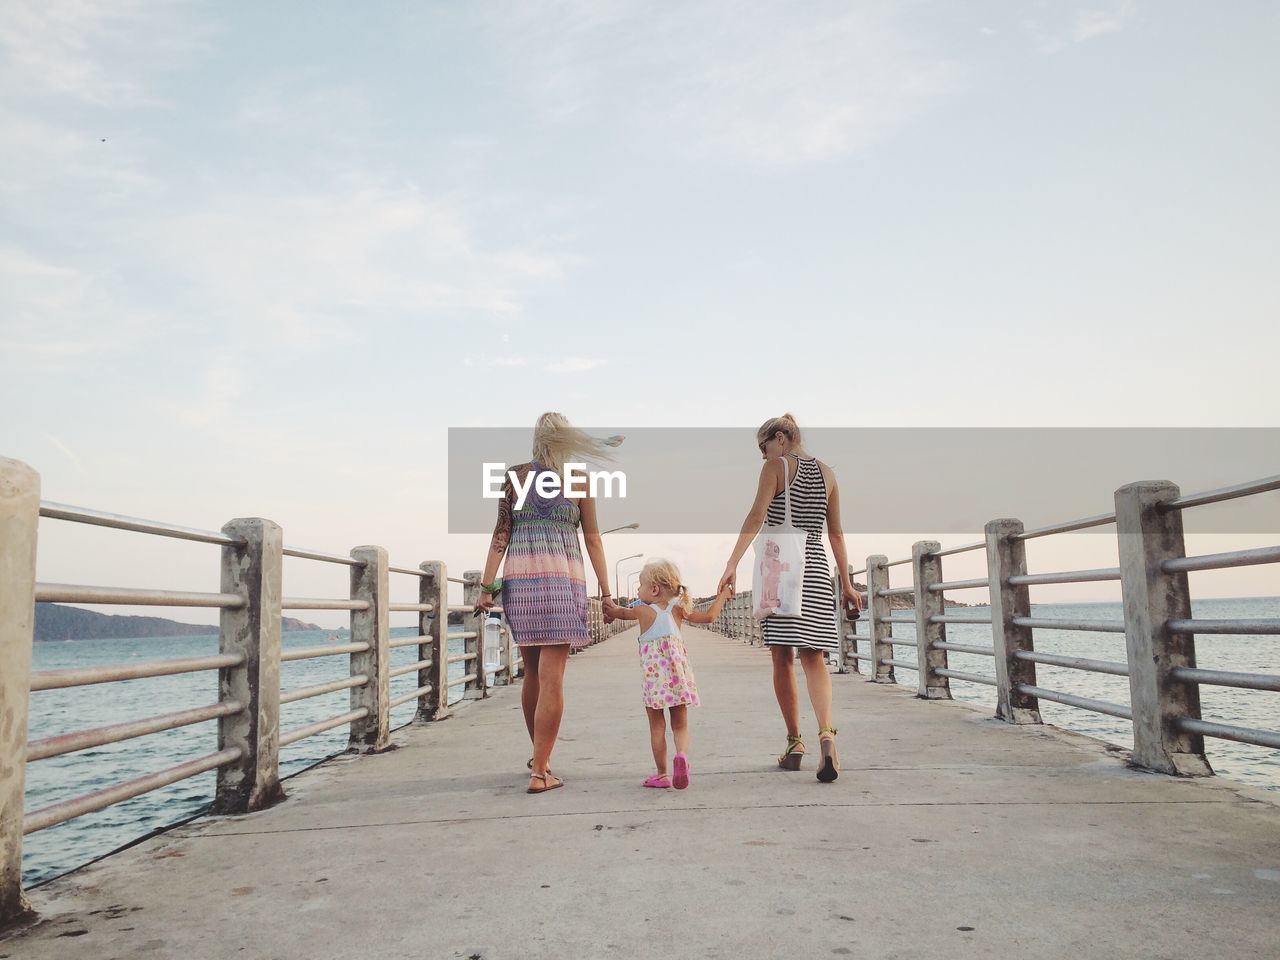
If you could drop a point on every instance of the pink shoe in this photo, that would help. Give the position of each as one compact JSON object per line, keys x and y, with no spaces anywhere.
{"x":657,"y":780}
{"x":680,"y":765}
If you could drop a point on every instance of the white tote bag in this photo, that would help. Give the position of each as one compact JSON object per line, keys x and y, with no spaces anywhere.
{"x":777,"y":579}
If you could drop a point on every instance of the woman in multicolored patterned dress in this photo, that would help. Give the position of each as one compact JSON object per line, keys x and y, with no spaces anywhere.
{"x":543,"y":587}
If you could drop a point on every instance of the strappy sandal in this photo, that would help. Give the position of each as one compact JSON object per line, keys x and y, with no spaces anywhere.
{"x":829,"y":768}
{"x":545,"y":786}
{"x":529,"y":765}
{"x":790,"y":760}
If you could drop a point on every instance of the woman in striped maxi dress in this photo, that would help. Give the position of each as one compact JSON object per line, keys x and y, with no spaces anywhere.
{"x":543,"y":589}
{"x":815,"y":501}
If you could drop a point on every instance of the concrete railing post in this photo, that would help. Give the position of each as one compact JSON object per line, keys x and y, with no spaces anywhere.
{"x":434,"y":628}
{"x":926,"y":568}
{"x":19,"y":517}
{"x":478,"y":687}
{"x":372,"y":626}
{"x":253,"y":631}
{"x":1007,"y":557}
{"x":1148,"y":537}
{"x":877,"y":609}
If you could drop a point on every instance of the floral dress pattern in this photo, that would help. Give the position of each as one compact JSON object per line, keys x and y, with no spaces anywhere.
{"x":668,"y":677}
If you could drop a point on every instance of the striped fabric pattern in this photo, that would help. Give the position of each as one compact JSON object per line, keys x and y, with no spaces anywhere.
{"x":816,"y":628}
{"x":544,"y":589}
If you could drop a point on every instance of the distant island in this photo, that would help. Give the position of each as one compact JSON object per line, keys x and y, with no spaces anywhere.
{"x":55,"y":621}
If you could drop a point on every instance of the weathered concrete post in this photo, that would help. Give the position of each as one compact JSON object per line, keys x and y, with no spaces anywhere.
{"x":19,"y":517}
{"x":1007,"y":557}
{"x":926,"y":567}
{"x":253,"y":630}
{"x":1148,"y":537}
{"x":434,"y":626}
{"x":877,"y":609}
{"x":478,"y":688}
{"x":372,"y":626}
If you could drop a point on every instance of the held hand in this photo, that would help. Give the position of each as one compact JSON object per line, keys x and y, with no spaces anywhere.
{"x":484,"y":602}
{"x":728,"y":579}
{"x":726,"y":592}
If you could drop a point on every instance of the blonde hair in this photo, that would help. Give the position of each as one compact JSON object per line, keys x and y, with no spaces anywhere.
{"x":556,"y":442}
{"x":666,"y":574}
{"x":788,"y":427}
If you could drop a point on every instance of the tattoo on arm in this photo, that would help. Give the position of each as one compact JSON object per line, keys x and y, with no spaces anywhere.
{"x":502,"y":530}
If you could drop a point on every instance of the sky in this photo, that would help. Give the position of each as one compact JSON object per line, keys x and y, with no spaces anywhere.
{"x":255,"y":260}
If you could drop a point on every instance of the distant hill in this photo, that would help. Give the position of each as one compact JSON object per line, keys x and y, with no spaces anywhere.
{"x":54,"y":621}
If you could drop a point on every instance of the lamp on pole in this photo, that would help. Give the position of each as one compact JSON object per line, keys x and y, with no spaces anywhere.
{"x":635,"y":573}
{"x":615,"y":570}
{"x":629,"y":526}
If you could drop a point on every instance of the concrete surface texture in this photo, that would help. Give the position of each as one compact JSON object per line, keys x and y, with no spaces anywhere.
{"x":948,"y":834}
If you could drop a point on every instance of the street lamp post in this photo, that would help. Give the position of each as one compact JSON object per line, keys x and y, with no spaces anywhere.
{"x":615,"y":571}
{"x":629,"y":576}
{"x":629,"y":526}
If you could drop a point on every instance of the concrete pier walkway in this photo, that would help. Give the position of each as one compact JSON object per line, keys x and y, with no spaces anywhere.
{"x":948,"y":834}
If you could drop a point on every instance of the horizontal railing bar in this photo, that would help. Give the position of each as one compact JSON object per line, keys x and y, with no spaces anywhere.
{"x":975,"y":583}
{"x":322,"y":557}
{"x":408,"y":668}
{"x":897,"y":619}
{"x":1226,"y":731}
{"x":1113,"y":667}
{"x":306,"y":603}
{"x":320,"y":689}
{"x":80,"y":593}
{"x":464,"y":635}
{"x":417,"y":641}
{"x":896,"y":592}
{"x":460,"y":657}
{"x":1226,"y":678}
{"x":1071,"y":700}
{"x":1098,"y":521}
{"x":951,"y":618}
{"x":301,"y":733}
{"x":70,"y":809}
{"x":1223,"y":493}
{"x":858,"y":656}
{"x":893,"y":563}
{"x":463,"y":608}
{"x":110,"y":673}
{"x":332,"y":650}
{"x":900,"y":643}
{"x":1068,"y":576}
{"x":856,"y":636}
{"x":964,"y":648}
{"x":408,"y":570}
{"x":1224,"y":626}
{"x":982,"y":545}
{"x":406,"y":607}
{"x":116,"y":732}
{"x":406,"y":697}
{"x":467,"y":679}
{"x":99,"y":518}
{"x":900,"y":663}
{"x":961,"y":675}
{"x":1221,"y":561}
{"x":856,"y":572}
{"x":455,"y":580}
{"x":1045,"y":623}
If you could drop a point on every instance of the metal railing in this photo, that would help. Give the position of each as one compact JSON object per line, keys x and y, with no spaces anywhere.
{"x":248,"y":665}
{"x":1164,"y":680}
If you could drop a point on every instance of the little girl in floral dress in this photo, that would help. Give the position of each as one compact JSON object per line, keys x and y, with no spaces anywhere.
{"x":669,"y":684}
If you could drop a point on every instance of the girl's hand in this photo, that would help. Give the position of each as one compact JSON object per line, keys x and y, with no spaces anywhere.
{"x":484,"y":603}
{"x":726,"y":592}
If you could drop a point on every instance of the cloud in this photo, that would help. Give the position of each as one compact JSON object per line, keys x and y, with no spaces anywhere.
{"x":774,"y":87}
{"x":1078,"y":26}
{"x":573,"y":365}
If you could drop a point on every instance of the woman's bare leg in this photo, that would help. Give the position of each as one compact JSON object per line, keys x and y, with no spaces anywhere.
{"x":658,"y":738}
{"x":546,"y":719}
{"x":680,"y":728}
{"x":784,"y":688}
{"x":818,"y":680}
{"x":529,"y":687}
